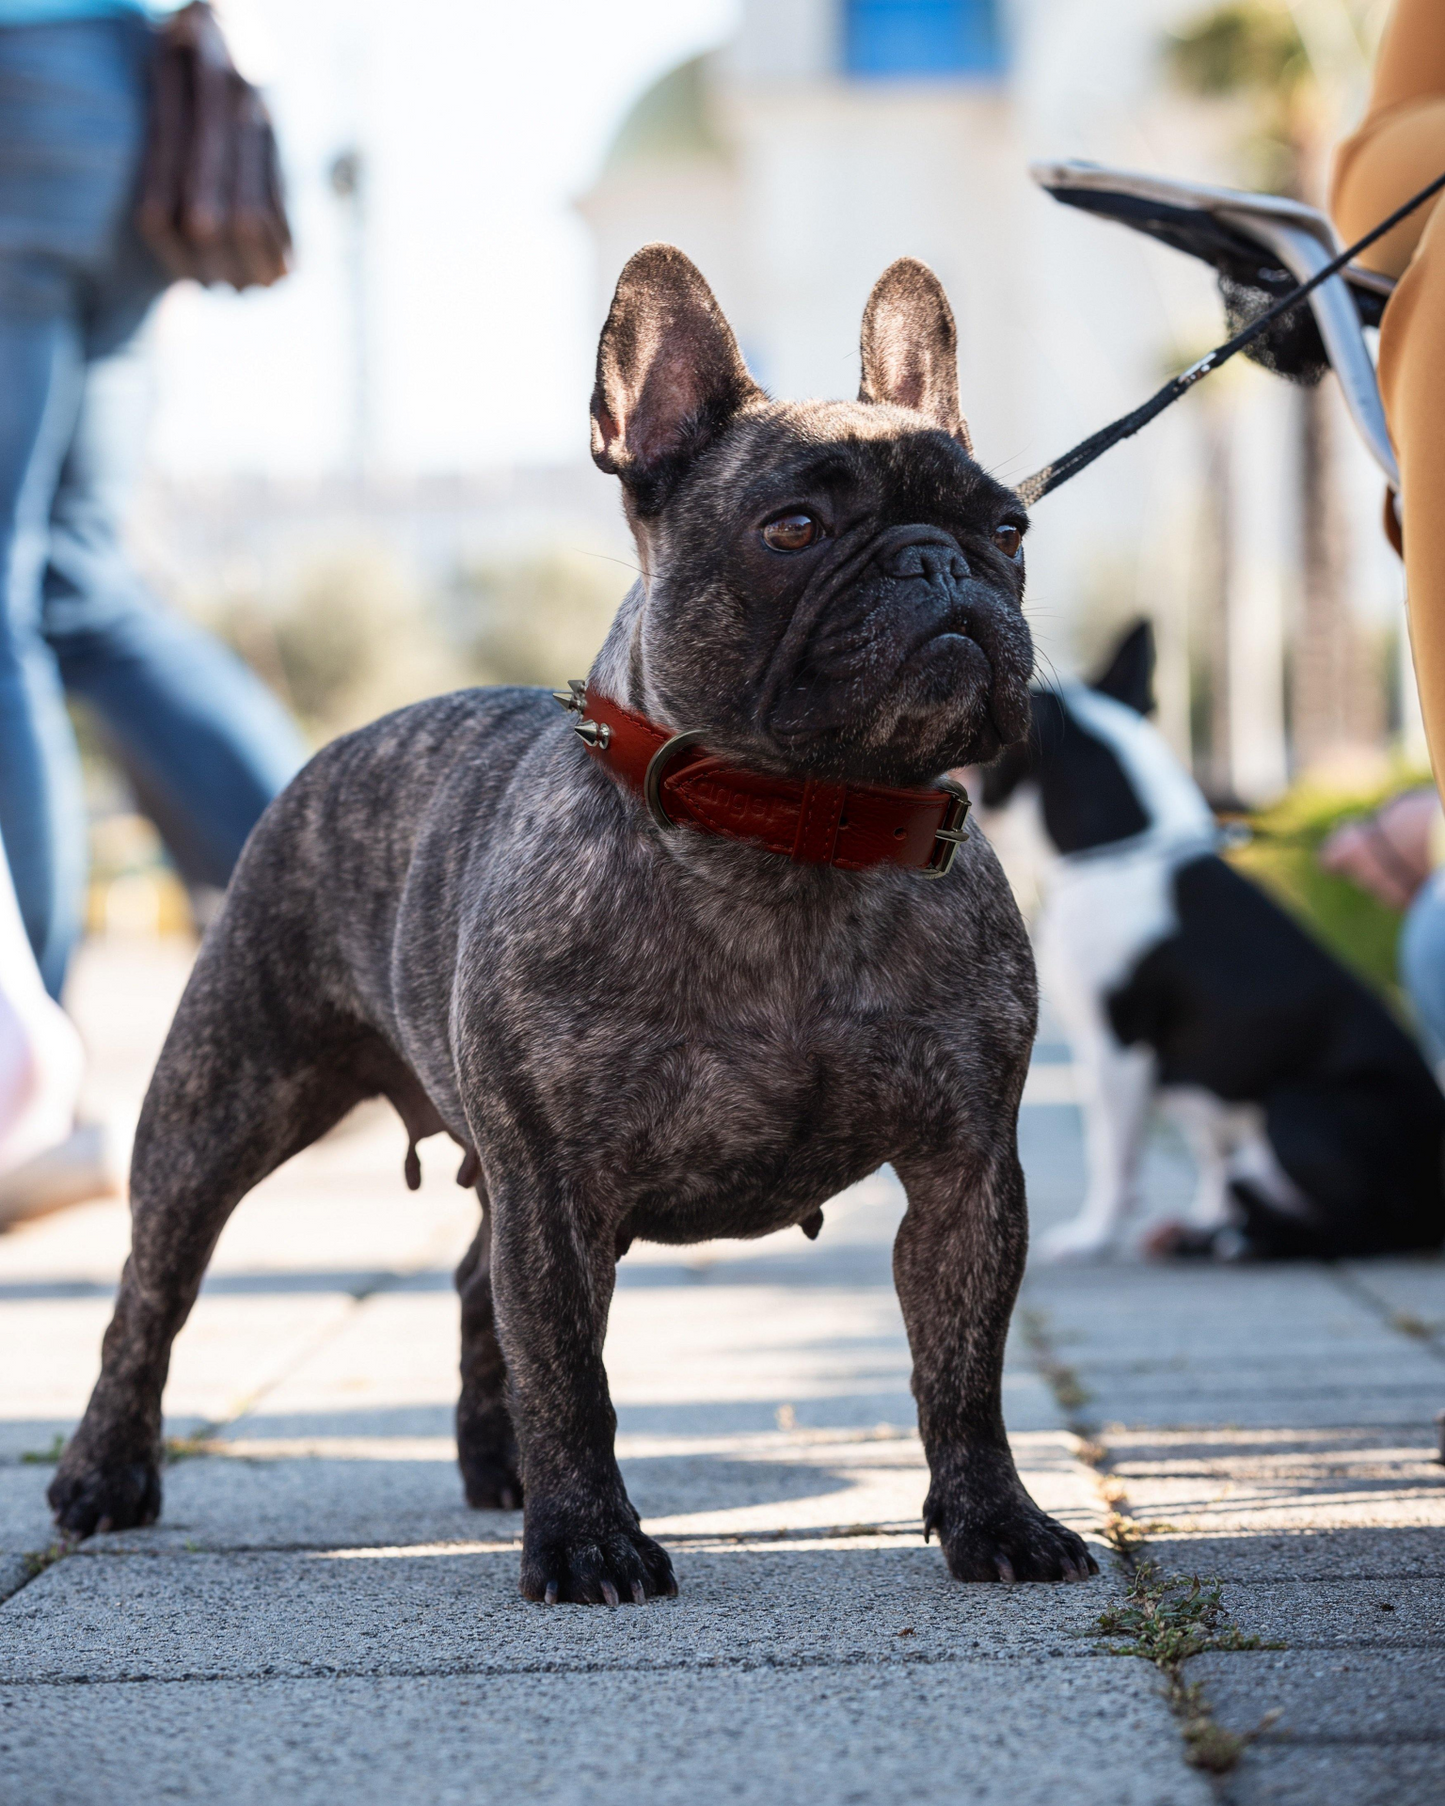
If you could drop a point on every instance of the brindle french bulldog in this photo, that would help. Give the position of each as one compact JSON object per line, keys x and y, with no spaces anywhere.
{"x":640,"y":1028}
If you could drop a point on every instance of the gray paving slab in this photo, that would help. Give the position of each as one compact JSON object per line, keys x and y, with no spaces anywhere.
{"x":332,"y":1491}
{"x":230,"y":1350}
{"x":1325,"y":1614}
{"x":1265,"y":1484}
{"x":1353,"y":1696}
{"x":1271,"y":1401}
{"x":1027,"y":1401}
{"x":1338,"y":1775}
{"x":24,"y":1516}
{"x":1123,"y":1312}
{"x":1243,"y":1346}
{"x":1024,"y":1733}
{"x":420,"y":1611}
{"x":1384,"y":1554}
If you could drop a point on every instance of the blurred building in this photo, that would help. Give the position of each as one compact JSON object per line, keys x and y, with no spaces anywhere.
{"x":831,"y":136}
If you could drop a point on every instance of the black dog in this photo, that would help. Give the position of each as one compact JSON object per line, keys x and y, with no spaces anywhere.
{"x":637,"y":1028}
{"x":1315,"y":1123}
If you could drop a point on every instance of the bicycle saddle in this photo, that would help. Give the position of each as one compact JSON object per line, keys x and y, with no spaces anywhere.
{"x":1257,"y":242}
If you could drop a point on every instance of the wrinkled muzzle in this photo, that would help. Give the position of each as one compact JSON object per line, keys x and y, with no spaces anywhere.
{"x":905,"y":658}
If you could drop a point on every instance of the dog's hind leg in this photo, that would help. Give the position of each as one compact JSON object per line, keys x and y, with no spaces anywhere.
{"x":486,"y":1440}
{"x":245,"y":1080}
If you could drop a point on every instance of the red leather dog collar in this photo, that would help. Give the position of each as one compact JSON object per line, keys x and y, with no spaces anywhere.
{"x":852,"y":826}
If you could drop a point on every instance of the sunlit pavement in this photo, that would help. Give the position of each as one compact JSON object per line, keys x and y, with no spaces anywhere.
{"x":318,"y":1616}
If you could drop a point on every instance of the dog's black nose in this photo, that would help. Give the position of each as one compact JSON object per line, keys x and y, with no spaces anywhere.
{"x":928,"y":559}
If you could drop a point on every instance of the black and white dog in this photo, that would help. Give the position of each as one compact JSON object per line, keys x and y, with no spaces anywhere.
{"x":1316,"y":1125}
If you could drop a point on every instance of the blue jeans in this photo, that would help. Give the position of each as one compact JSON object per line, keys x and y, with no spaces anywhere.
{"x":206,"y":744}
{"x":1421,"y":960}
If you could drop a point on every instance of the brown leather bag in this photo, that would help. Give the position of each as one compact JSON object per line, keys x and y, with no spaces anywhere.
{"x":211,"y":205}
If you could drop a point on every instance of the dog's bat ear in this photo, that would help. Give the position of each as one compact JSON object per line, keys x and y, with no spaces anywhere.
{"x":1129,"y":675}
{"x":910,"y":347}
{"x":669,"y":372}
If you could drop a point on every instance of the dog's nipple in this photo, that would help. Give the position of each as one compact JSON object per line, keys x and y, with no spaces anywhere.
{"x":811,"y":1225}
{"x":412,"y":1168}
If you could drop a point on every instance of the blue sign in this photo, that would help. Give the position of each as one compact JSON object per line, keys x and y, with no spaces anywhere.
{"x":924,"y":37}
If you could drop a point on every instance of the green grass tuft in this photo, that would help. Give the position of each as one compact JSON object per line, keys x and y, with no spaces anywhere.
{"x":1283,"y":859}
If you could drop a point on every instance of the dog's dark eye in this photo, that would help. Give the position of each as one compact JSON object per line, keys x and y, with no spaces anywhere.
{"x":1008,"y":540}
{"x":791,"y":532}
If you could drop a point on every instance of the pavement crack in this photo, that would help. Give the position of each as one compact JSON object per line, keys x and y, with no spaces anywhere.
{"x":323,"y":1671}
{"x":1405,"y":1323}
{"x":1120,"y":1530}
{"x":1167,"y":1619}
{"x":35,"y":1562}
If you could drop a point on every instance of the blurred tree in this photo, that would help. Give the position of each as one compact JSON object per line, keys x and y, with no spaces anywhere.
{"x":357,"y":637}
{"x":534,"y":620}
{"x":1262,"y":56}
{"x":1253,"y":50}
{"x":352,"y":641}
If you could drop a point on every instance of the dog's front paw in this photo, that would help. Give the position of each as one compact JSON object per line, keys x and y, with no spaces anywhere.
{"x":1009,"y":1541}
{"x":597,"y":1564}
{"x":89,"y":1494}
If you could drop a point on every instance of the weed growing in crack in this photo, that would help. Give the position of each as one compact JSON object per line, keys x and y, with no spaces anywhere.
{"x":1208,"y":1745}
{"x":34,"y":1562}
{"x":1168,"y":1619}
{"x":1165,"y":1619}
{"x":1124,"y":1534}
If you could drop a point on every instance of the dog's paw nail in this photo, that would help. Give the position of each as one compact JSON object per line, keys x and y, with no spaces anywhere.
{"x":609,"y":1594}
{"x":1005,"y":1569}
{"x":671,"y":1587}
{"x":639,"y":1593}
{"x":550,"y":1596}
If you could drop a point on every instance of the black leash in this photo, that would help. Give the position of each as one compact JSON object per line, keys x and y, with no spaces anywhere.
{"x":1042,"y":482}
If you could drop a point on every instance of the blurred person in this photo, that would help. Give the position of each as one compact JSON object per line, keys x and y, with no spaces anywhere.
{"x":1398,"y":148}
{"x":200,"y":734}
{"x":1398,"y":856}
{"x":46,"y":1158}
